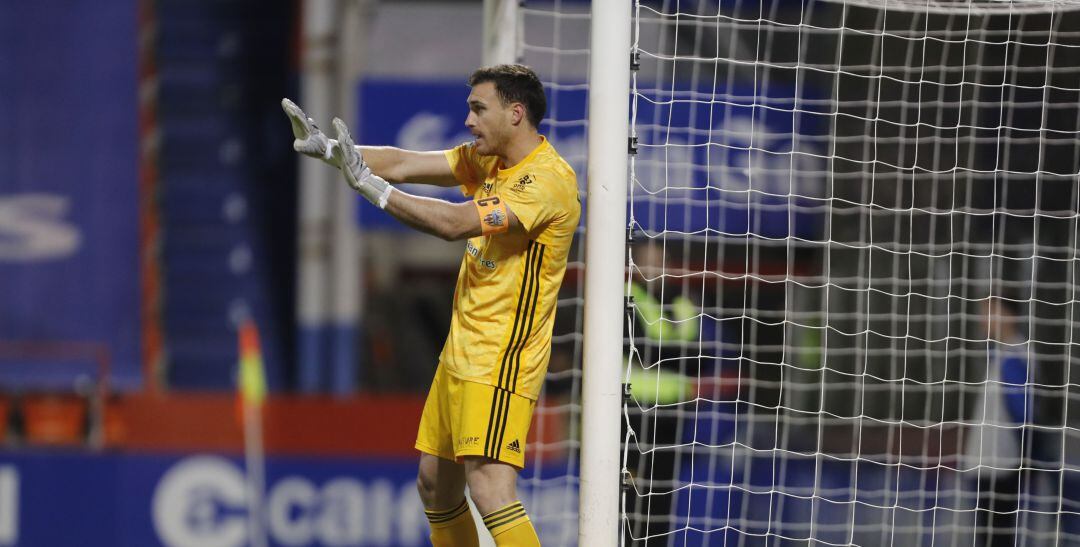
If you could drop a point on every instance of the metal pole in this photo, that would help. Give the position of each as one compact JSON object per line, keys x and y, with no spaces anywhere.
{"x":605,"y":259}
{"x":347,"y":282}
{"x":255,"y":460}
{"x":317,"y":183}
{"x":500,"y":32}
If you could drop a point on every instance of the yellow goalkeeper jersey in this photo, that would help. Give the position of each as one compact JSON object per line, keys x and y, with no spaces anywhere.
{"x":504,"y":302}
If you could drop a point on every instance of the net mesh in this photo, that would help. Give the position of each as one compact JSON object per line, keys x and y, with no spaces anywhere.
{"x":554,"y":40}
{"x":852,"y":280}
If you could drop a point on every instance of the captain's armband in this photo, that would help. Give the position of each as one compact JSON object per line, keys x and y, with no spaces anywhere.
{"x":493,"y":217}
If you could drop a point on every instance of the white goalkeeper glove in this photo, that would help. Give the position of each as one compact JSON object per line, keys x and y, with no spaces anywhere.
{"x":356,"y":170}
{"x":309,"y":140}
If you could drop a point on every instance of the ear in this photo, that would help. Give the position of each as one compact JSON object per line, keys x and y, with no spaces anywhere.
{"x":517,"y":113}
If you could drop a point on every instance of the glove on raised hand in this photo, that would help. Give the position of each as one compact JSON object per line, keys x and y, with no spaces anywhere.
{"x":309,"y":140}
{"x":356,"y":171}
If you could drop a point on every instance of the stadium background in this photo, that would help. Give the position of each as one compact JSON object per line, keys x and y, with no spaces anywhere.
{"x":148,"y":204}
{"x":150,"y":201}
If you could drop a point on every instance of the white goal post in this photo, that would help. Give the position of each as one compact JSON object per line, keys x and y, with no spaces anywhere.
{"x":605,"y":256}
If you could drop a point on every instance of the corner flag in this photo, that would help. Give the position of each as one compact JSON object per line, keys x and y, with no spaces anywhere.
{"x":251,"y":380}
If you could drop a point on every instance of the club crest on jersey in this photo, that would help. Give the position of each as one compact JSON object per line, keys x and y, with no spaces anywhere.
{"x":522,"y":183}
{"x":495,"y":218}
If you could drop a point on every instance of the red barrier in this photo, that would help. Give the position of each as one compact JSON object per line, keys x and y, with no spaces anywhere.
{"x":365,"y":426}
{"x":375,"y":425}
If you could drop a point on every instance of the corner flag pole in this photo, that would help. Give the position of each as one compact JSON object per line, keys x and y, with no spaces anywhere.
{"x":251,"y":392}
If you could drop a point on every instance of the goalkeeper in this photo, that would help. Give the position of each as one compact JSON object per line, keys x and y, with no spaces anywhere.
{"x":518,"y":225}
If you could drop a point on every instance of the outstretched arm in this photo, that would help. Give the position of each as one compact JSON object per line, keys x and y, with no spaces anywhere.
{"x":449,"y":221}
{"x":397,"y":165}
{"x":443,"y":219}
{"x":393,"y":164}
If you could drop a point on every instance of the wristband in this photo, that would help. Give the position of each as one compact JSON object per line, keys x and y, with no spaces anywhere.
{"x":331,"y":144}
{"x":375,"y":189}
{"x":493,"y":217}
{"x":384,"y":197}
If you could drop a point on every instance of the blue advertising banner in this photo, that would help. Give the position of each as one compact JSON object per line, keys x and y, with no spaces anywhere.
{"x":127,"y":500}
{"x":727,"y":163}
{"x":106,"y":499}
{"x":69,"y":229}
{"x":415,"y":116}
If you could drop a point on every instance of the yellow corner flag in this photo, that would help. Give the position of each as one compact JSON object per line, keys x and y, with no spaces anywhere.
{"x":251,"y":381}
{"x":250,"y":394}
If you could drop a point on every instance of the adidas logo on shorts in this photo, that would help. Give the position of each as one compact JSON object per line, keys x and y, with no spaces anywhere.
{"x":514,"y":446}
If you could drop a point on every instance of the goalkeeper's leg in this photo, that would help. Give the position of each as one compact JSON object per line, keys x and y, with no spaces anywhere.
{"x":493,"y":487}
{"x":441,"y":484}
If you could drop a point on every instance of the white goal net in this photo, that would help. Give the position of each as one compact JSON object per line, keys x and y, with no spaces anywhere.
{"x":852,"y":280}
{"x":554,"y":40}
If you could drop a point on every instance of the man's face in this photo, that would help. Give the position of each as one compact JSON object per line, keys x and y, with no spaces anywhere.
{"x":489,"y":120}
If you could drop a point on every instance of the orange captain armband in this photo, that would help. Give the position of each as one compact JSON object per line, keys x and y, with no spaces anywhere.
{"x":493,"y":217}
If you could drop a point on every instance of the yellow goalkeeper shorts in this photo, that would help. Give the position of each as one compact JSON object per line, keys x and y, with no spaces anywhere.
{"x":463,"y":418}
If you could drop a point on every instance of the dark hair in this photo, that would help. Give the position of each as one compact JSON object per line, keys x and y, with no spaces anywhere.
{"x":515,"y":84}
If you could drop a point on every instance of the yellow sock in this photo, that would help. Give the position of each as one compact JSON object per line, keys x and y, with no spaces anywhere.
{"x":453,"y":528}
{"x":511,"y":527}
